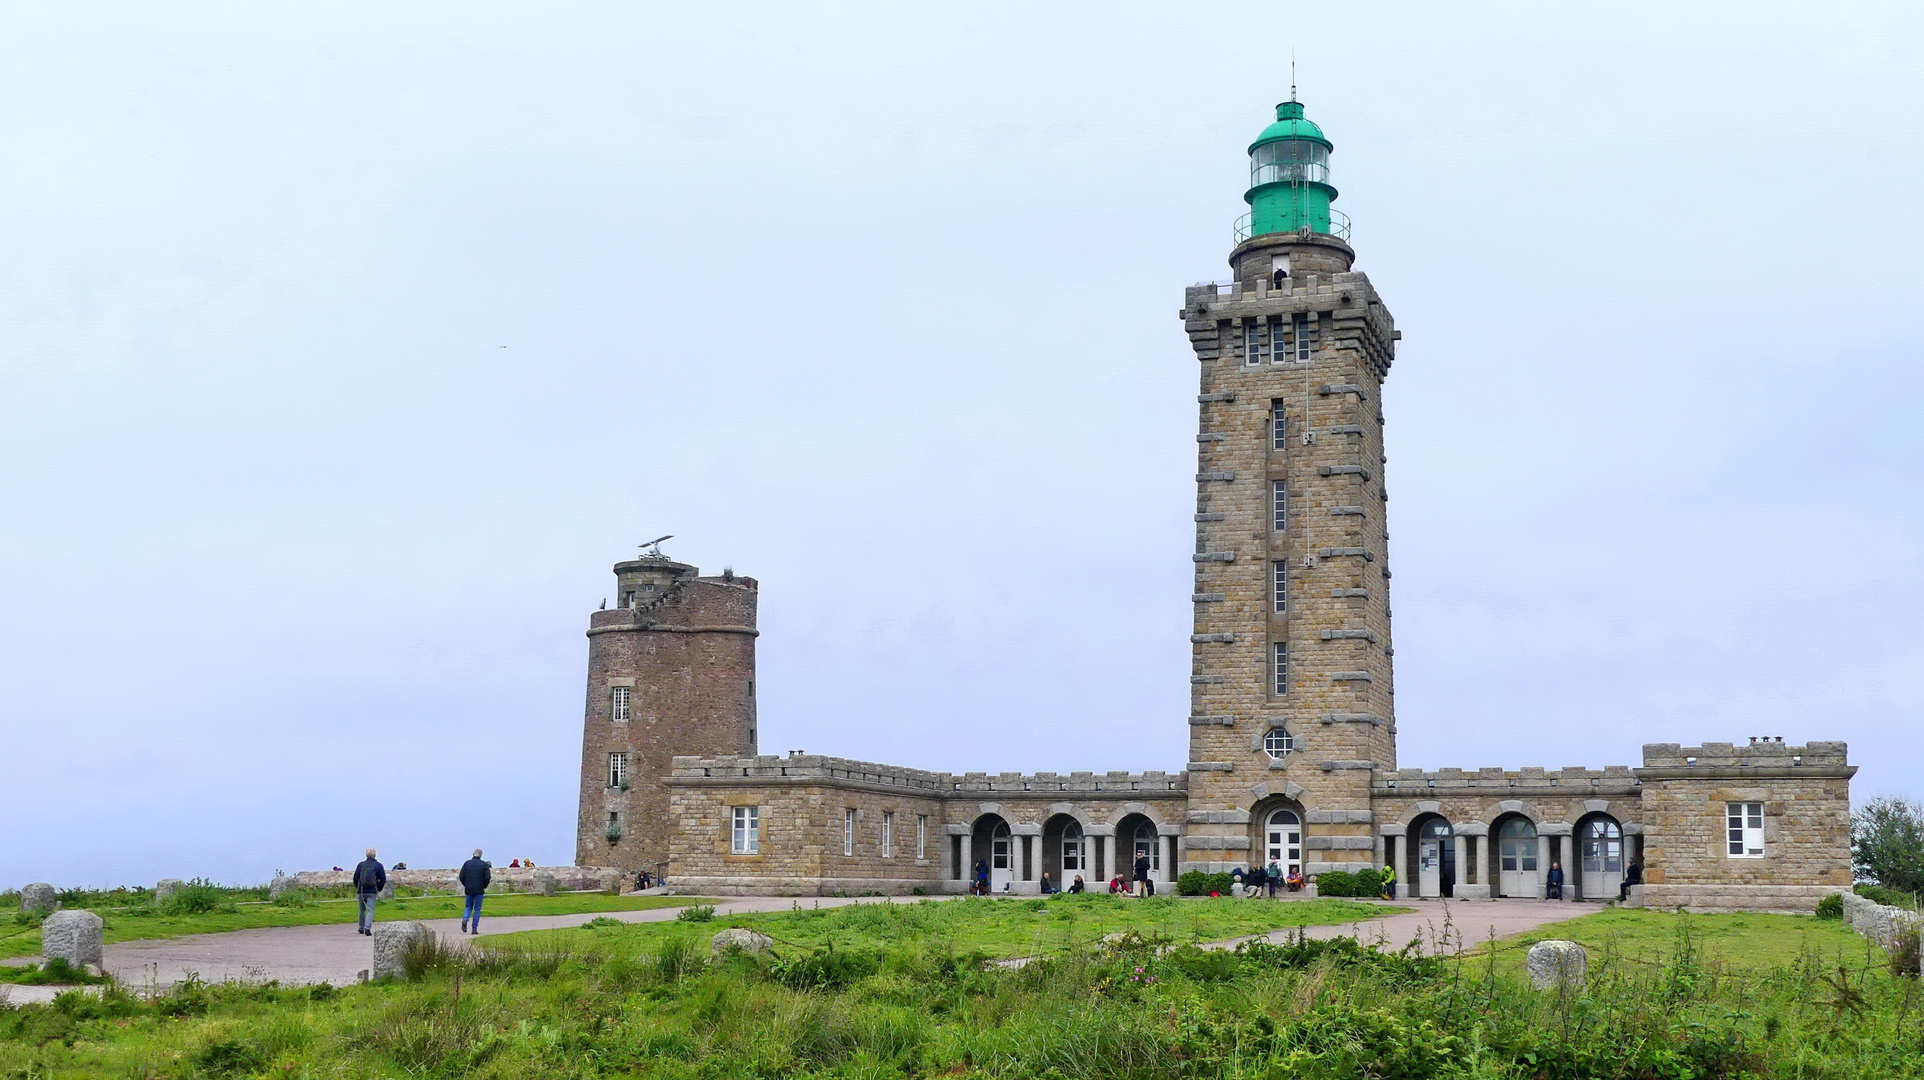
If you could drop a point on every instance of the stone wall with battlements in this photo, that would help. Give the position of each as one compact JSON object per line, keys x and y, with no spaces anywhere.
{"x":1805,"y":793}
{"x":677,"y":653}
{"x":933,"y":820}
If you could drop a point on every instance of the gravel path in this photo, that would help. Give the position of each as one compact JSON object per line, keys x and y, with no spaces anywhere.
{"x":336,"y":954}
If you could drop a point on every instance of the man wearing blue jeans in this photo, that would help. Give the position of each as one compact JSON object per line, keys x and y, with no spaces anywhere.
{"x":475,"y":876}
{"x":369,"y":879}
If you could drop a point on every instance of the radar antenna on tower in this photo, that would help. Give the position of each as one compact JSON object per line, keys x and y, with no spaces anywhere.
{"x":652,"y":549}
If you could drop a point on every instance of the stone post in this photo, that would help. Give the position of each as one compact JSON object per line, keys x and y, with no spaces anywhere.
{"x":1462,"y":863}
{"x":968,"y":861}
{"x":38,"y":896}
{"x":73,"y":936}
{"x":391,"y":940}
{"x":1019,"y":868}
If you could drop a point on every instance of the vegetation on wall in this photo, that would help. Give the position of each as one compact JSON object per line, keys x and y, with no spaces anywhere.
{"x":1887,"y":844}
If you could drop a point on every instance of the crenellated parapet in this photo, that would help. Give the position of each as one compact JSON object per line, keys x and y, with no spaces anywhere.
{"x":1506,"y":783}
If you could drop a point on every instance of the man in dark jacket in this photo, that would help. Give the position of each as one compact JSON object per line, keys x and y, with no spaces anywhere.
{"x":1553,"y":885}
{"x":475,"y":875}
{"x":369,"y":879}
{"x":1142,"y":875}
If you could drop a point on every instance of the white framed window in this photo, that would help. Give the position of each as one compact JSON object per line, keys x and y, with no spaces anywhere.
{"x":1071,"y":848}
{"x":1279,"y":505}
{"x":1149,"y":844}
{"x":617,"y":768}
{"x":1279,"y":585}
{"x":1278,"y":427}
{"x":1283,"y":841}
{"x":1279,"y":663}
{"x":848,"y":831}
{"x":1299,"y":331}
{"x":745,"y":830}
{"x":921,"y":836}
{"x":1278,"y":742}
{"x":1255,"y":343}
{"x":619,"y":703}
{"x":888,"y":834}
{"x":1744,"y":823}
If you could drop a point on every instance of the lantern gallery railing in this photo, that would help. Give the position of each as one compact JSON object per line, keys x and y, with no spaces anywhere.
{"x":1338,"y":226}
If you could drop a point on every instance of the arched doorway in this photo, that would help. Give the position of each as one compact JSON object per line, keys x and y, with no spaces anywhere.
{"x":1517,"y":871}
{"x":1065,"y":850}
{"x":994,"y":845}
{"x":1283,"y":840}
{"x":1432,"y":858}
{"x":1599,"y":857}
{"x":1137,"y":837}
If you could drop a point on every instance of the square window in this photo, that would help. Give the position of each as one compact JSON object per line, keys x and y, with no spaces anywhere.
{"x":745,"y":829}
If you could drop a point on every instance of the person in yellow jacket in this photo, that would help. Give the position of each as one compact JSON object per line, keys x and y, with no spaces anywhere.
{"x":1389,"y":882}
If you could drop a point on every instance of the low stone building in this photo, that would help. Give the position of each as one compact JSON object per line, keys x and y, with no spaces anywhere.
{"x":1292,"y":725}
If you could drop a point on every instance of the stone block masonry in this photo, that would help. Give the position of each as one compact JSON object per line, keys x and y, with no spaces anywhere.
{"x":1292,"y":726}
{"x":73,"y":936}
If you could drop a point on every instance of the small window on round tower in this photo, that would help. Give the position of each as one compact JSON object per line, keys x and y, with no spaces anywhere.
{"x":1278,"y":742}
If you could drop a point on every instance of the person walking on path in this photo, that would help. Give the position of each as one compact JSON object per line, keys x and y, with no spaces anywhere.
{"x":475,"y":875}
{"x":369,"y":879}
{"x":1553,"y":884}
{"x":1142,"y":875}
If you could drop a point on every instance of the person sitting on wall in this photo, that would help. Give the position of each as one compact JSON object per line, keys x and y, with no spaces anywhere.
{"x":1076,"y":885}
{"x":1045,"y":889}
{"x":1116,"y":885}
{"x":1294,"y":882}
{"x":1632,"y":876}
{"x":515,"y":865}
{"x":400,"y":866}
{"x":1258,"y":877}
{"x":1553,"y":882}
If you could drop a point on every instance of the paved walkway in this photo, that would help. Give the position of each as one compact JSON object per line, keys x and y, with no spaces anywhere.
{"x":299,"y":955}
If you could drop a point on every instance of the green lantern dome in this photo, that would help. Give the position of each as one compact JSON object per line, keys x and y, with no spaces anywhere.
{"x":1289,"y":188}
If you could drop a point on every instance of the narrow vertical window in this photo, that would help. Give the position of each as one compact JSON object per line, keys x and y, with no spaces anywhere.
{"x":614,"y":825}
{"x":745,"y":830}
{"x":848,"y":831}
{"x":1278,"y":427}
{"x":1744,"y":822}
{"x":1299,"y":330}
{"x":619,"y":698}
{"x":617,"y":769}
{"x":1252,"y":344}
{"x":921,"y":836}
{"x":1280,"y":663}
{"x":1279,"y":585}
{"x":1279,"y":504}
{"x":888,"y":834}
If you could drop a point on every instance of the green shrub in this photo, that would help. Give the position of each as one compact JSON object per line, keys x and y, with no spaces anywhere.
{"x":1199,"y":883}
{"x":696,"y":913}
{"x":196,"y":897}
{"x":600,"y":922}
{"x":1831,"y":907}
{"x":1878,"y":894}
{"x":826,"y":969}
{"x":1344,"y":883}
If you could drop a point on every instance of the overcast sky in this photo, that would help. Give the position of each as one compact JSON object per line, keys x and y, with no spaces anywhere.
{"x":344,"y":348}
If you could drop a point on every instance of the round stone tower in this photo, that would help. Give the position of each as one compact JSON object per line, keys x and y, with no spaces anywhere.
{"x":671,"y":670}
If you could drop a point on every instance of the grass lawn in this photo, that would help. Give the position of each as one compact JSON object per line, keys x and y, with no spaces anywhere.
{"x":1740,"y":941}
{"x":894,"y":999}
{"x":993,"y":927}
{"x":142,"y":923}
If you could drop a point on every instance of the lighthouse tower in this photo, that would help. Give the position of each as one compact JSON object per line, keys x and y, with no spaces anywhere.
{"x":1292,"y":700}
